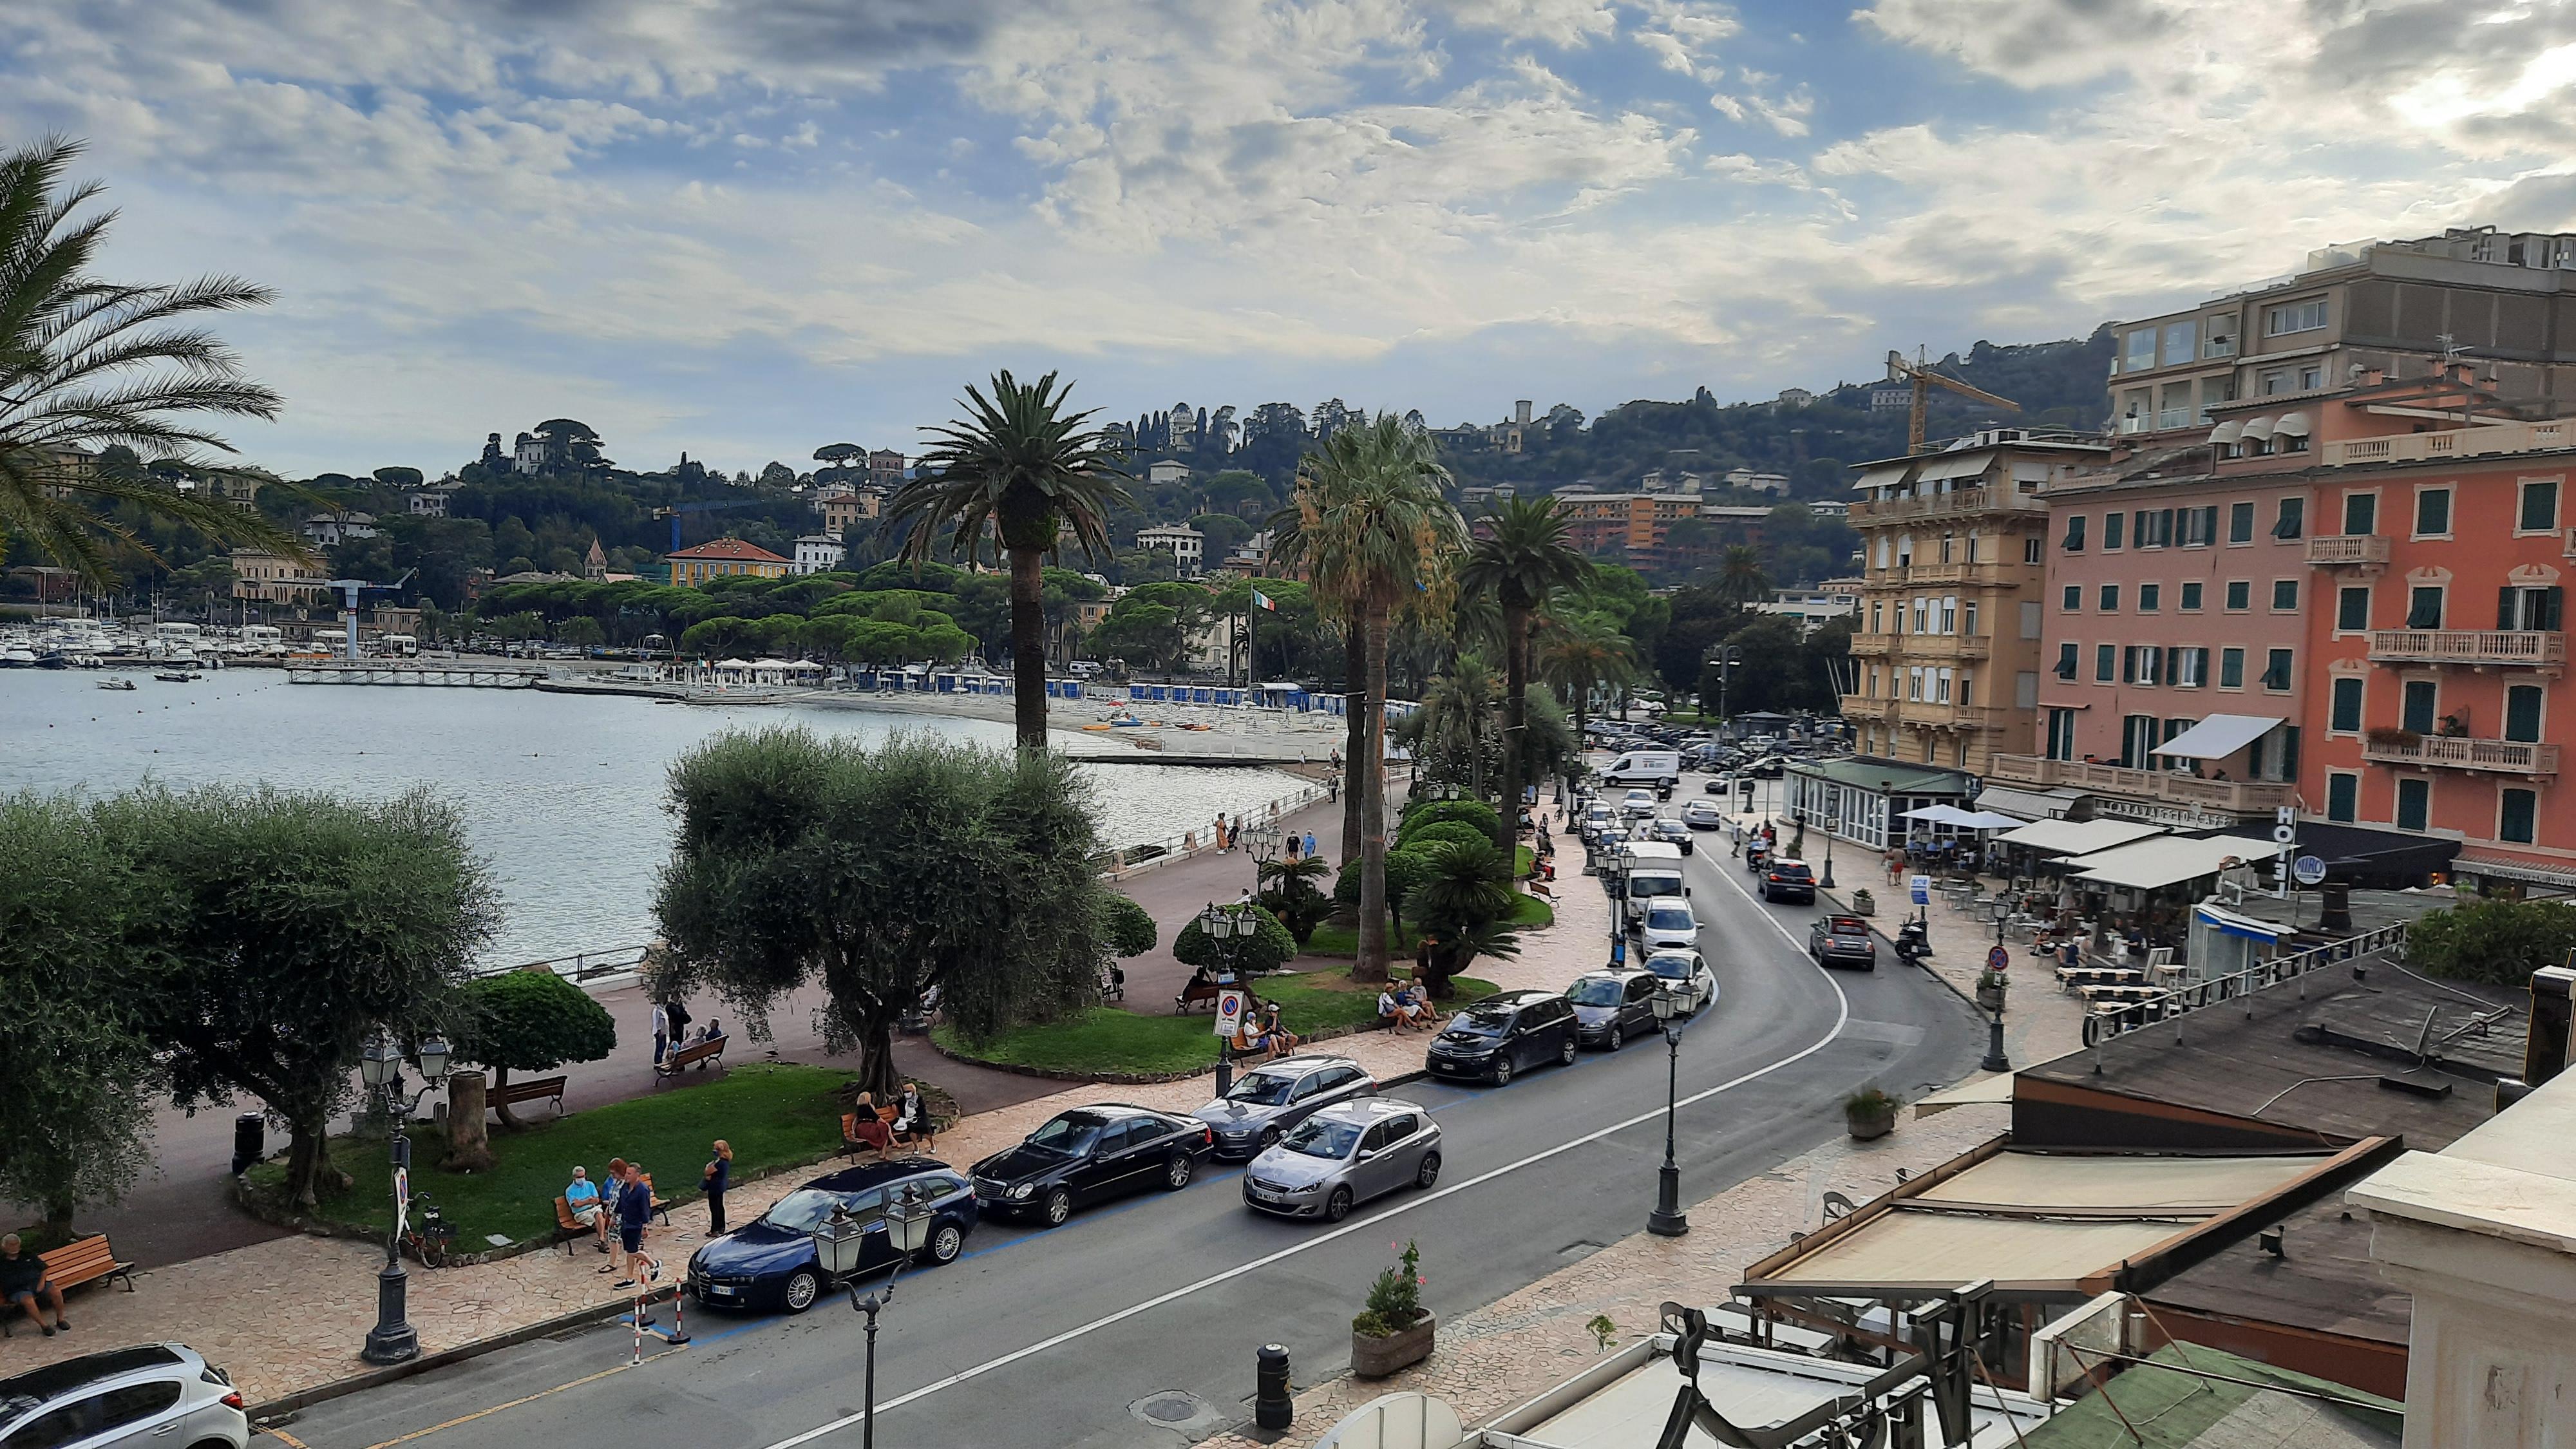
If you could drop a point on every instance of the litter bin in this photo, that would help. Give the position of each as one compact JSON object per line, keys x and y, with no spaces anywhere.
{"x":250,"y":1141}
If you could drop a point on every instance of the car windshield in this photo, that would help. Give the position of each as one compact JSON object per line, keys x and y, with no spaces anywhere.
{"x":1323,"y":1137}
{"x":1670,"y":920}
{"x":803,"y":1210}
{"x":1671,"y":968}
{"x":1071,"y":1134}
{"x":1262,"y":1089}
{"x":1485,"y":1018}
{"x":1596,"y":991}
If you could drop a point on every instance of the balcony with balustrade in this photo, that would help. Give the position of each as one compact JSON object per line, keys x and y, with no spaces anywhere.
{"x":1957,"y":503}
{"x":2459,"y":752}
{"x":2345,"y":550}
{"x":2478,"y":648}
{"x":2487,"y":439}
{"x":2250,"y":798}
{"x":1872,"y":646}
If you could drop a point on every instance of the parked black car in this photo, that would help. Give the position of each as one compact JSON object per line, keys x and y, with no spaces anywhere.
{"x":769,"y":1262}
{"x":1092,"y":1154}
{"x":1784,"y":879}
{"x":1842,"y":940}
{"x":1505,"y":1034}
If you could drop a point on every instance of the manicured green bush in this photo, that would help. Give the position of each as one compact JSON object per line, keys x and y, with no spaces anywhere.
{"x":2498,"y":942}
{"x":1270,"y":947}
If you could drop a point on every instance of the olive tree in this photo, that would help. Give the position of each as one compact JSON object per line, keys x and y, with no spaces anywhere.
{"x":530,"y":1021}
{"x":878,"y":872}
{"x":278,"y":931}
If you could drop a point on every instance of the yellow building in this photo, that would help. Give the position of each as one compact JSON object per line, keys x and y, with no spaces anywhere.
{"x":723,"y":558}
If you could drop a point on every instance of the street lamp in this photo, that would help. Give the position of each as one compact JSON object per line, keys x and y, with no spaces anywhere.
{"x":1263,"y":842}
{"x":841,"y":1248}
{"x":1219,"y":924}
{"x":1672,"y":1001}
{"x":1833,"y":823}
{"x":393,"y":1339}
{"x":1995,"y":1060}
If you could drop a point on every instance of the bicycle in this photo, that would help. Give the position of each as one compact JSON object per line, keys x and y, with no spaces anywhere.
{"x":428,"y":1234}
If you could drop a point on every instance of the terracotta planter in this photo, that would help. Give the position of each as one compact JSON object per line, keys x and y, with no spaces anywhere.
{"x":1990,"y":998}
{"x":1376,"y":1358}
{"x":1867,"y":1125}
{"x":1864,"y":906}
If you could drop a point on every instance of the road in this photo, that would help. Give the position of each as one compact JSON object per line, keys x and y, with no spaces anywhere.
{"x":1062,"y":1337}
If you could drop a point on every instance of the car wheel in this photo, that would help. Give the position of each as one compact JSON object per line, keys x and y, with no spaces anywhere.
{"x":946,"y":1242}
{"x":1269,"y":1138}
{"x":1338,"y":1206}
{"x":1059,"y":1206}
{"x":1429,"y":1172}
{"x":802,"y":1287}
{"x":1176,"y":1173}
{"x":1502,"y":1071}
{"x":1618,"y":1037}
{"x":1565,"y":1052}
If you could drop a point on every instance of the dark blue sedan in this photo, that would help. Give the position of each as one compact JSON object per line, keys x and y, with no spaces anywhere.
{"x":769,"y":1262}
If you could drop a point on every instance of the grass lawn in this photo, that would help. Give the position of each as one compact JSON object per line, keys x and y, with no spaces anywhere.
{"x":1336,"y":939}
{"x":772,"y":1114}
{"x":1106,"y":1039}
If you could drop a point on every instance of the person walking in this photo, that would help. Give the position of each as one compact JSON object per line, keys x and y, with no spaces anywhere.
{"x":661,"y":1031}
{"x":680,"y":1019}
{"x":718,"y":1175}
{"x":1310,"y":845}
{"x":634,"y":1211}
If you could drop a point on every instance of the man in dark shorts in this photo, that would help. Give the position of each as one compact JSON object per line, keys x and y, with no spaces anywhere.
{"x":23,"y":1282}
{"x":634,"y":1207}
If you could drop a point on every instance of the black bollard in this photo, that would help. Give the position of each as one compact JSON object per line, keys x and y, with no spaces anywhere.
{"x":1271,"y":1406}
{"x":249,"y":1141}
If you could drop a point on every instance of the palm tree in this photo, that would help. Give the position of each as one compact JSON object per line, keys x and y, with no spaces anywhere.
{"x":1582,"y":656}
{"x":97,"y":375}
{"x":1526,"y":556}
{"x":1740,"y":577}
{"x":1019,"y":469}
{"x":1452,"y":734}
{"x":1368,"y":520}
{"x":1465,"y":901}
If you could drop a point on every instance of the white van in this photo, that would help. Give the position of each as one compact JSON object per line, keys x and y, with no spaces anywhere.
{"x":1644,"y":767}
{"x":1652,"y":868}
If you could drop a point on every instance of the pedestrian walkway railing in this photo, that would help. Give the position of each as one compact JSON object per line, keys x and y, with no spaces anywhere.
{"x":585,"y":965}
{"x":1118,"y":861}
{"x":2113,"y":1020}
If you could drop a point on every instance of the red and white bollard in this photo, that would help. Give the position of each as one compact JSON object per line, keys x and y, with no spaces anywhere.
{"x":679,"y":1330}
{"x":638,"y":1318}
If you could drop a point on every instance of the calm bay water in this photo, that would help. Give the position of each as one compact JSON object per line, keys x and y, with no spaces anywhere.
{"x":564,"y":793}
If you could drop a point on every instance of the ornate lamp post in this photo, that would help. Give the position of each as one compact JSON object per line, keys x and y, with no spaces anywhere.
{"x":1672,"y":1001}
{"x":1992,"y":997}
{"x":1263,"y":842}
{"x":393,"y":1339}
{"x":1220,"y":925}
{"x":1833,"y":823}
{"x":841,"y":1249}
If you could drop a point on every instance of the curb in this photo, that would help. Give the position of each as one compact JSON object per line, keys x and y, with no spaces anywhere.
{"x":1126,"y":1079}
{"x":282,"y":1409}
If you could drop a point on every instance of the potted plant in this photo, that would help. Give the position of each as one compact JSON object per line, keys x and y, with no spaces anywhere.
{"x":1990,"y":989}
{"x":1863,"y":903}
{"x":1394,"y":1331}
{"x":1869,"y":1113}
{"x":2393,"y":737}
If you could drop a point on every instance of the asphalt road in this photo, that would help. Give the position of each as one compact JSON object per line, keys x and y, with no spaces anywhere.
{"x":1064,"y":1337}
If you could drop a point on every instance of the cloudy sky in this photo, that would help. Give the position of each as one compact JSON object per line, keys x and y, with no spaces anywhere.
{"x":749,"y":227}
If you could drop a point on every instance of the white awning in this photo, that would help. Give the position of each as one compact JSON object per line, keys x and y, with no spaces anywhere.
{"x":1881,"y":477}
{"x":2292,"y":425}
{"x":2148,"y":865}
{"x":2229,"y":923}
{"x":1989,"y":820}
{"x":2219,"y":736}
{"x":2227,"y":432}
{"x":1936,"y":815}
{"x":1949,"y":466}
{"x":2257,"y":429}
{"x":2028,"y":804}
{"x":2079,"y":837}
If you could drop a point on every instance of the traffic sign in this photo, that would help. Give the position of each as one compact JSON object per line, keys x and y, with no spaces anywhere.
{"x":2308,"y":870}
{"x":1230,"y":1006}
{"x":1921,"y":887}
{"x":1997,"y":958}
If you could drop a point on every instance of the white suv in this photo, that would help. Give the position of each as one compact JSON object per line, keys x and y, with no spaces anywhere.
{"x":1666,"y":924}
{"x":157,"y":1395}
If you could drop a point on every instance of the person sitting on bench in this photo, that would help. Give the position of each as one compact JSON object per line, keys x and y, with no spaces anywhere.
{"x":23,"y":1282}
{"x":582,"y":1198}
{"x":867,"y":1125}
{"x":912,"y":1118}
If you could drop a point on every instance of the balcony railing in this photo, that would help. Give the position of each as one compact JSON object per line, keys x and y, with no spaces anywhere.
{"x":2456,"y":752}
{"x":1957,"y":716}
{"x":1958,"y":502}
{"x":2241,"y":797}
{"x":2468,"y":646}
{"x":2470,"y":442}
{"x":1984,"y":571}
{"x":1872,"y":645}
{"x":2348,"y":548}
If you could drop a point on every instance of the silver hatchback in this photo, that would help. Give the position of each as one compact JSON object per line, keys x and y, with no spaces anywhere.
{"x":1342,"y":1156}
{"x":155,"y":1394}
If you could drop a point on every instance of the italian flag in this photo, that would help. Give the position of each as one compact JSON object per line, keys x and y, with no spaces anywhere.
{"x":1261,"y":600}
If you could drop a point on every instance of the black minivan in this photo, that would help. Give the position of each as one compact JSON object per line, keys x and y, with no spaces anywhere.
{"x":1504,"y":1034}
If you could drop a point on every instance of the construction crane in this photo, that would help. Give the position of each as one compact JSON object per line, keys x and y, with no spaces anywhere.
{"x":1924,"y":380}
{"x":712,"y":506}
{"x":350,"y":589}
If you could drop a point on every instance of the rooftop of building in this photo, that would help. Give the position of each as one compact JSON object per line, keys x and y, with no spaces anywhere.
{"x":2534,"y":261}
{"x":732,"y":550}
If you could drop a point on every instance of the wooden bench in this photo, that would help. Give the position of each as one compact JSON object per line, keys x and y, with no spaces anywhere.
{"x":568,"y":1228}
{"x":535,"y":1089}
{"x":1194,"y":994}
{"x":71,"y":1265}
{"x":852,"y":1145}
{"x":698,"y":1055}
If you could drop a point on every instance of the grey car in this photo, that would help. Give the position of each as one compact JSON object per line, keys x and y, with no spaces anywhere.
{"x":156,"y":1394}
{"x":1342,"y":1156}
{"x":1267,"y":1101}
{"x":1612,"y":1006}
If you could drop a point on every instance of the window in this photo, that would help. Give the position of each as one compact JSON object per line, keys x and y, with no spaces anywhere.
{"x":2129,"y":662}
{"x":2220,"y":340}
{"x":2182,"y":342}
{"x":2424,"y":607}
{"x":2276,"y":672}
{"x":136,"y":1402}
{"x":2240,"y":595}
{"x":2190,"y":597}
{"x":2360,"y":513}
{"x":2285,"y":596}
{"x":2343,"y":797}
{"x":2280,"y":321}
{"x":1878,"y":616}
{"x":2433,"y":513}
{"x":2414,"y":804}
{"x":1941,"y":686}
{"x":2530,"y":608}
{"x":2191,"y":668}
{"x":2539,"y":506}
{"x":2112,"y":524}
{"x":1950,"y":614}
{"x":1968,"y":618}
{"x":2106,"y":663}
{"x":2293,"y":519}
{"x":2231,"y":668}
{"x":2110,"y":599}
{"x":2071,"y":598}
{"x":2311,"y":377}
{"x":2032,"y":549}
{"x":2517,"y":813}
{"x":2074,"y":540}
{"x":2522,"y":713}
{"x":2175,"y":411}
{"x":2153,"y":528}
{"x":2029,"y":618}
{"x":2416,"y":713}
{"x":2142,"y":351}
{"x":2061,"y":734}
{"x":2352,"y":609}
{"x":2240,"y":522}
{"x":2200,"y":526}
{"x":2066,"y":661}
{"x":2345,"y":715}
{"x":2150,"y":598}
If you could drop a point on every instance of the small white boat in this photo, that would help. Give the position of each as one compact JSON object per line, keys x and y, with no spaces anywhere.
{"x":177,"y":676}
{"x":116,"y":684}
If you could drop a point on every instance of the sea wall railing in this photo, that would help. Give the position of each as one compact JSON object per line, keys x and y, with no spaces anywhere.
{"x":1125,"y":860}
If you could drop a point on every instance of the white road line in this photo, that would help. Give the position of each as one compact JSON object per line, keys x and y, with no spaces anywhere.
{"x":1842,"y":1016}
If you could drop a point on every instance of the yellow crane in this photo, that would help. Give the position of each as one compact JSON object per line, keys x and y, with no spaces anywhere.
{"x":1924,"y":380}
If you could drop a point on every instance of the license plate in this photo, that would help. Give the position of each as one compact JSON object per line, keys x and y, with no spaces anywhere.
{"x":1257,"y":1195}
{"x":721,"y":1291}
{"x":1443,"y":1067}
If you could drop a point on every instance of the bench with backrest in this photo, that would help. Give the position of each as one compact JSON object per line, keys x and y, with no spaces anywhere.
{"x":697,"y":1054}
{"x":569,"y":1228}
{"x":69,"y":1266}
{"x":1197,"y":993}
{"x":535,"y":1089}
{"x":852,"y":1144}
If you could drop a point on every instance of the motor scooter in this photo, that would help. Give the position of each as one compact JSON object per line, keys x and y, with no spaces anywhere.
{"x":1913,"y":942}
